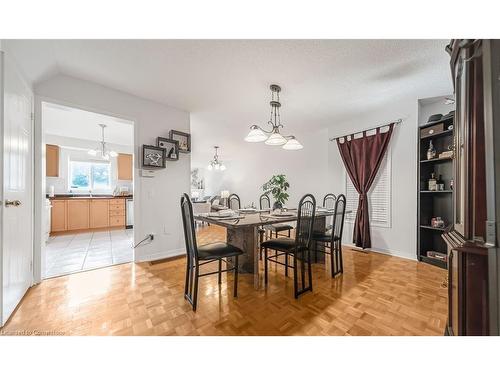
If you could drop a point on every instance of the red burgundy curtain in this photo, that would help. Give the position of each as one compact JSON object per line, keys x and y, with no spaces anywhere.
{"x":362,"y":158}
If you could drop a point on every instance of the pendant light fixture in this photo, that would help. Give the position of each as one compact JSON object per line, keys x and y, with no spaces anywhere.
{"x":102,"y":149}
{"x":273,"y":137}
{"x":215,"y":163}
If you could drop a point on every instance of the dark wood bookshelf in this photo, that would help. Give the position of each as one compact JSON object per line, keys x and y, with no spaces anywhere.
{"x":435,"y":160}
{"x":434,"y":203}
{"x":436,"y":191}
{"x":432,"y":228}
{"x":434,"y":261}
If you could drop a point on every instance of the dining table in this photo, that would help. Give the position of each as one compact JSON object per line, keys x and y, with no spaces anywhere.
{"x":242,"y":231}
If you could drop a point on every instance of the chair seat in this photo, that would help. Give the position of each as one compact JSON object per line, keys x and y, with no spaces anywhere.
{"x":324,"y":237}
{"x":217,"y":250}
{"x":278,"y":227}
{"x":284,"y":244}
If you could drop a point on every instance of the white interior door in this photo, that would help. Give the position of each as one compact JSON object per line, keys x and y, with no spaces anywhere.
{"x":17,"y":197}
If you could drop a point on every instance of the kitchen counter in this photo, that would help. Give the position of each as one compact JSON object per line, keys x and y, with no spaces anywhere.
{"x":69,"y":196}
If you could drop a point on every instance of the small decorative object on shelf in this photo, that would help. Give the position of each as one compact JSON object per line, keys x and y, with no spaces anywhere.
{"x":446,"y":155}
{"x":451,"y":184}
{"x":436,"y":255}
{"x":432,"y":183}
{"x":171,"y":148}
{"x":437,"y":222}
{"x":431,"y":151}
{"x":153,"y":156}
{"x":184,"y":140}
{"x":440,"y":183}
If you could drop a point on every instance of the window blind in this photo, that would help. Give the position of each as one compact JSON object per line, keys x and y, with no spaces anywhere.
{"x":379,"y":196}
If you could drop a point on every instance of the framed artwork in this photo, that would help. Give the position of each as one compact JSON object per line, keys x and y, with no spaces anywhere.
{"x":153,"y":156}
{"x":184,"y":140}
{"x":171,"y":147}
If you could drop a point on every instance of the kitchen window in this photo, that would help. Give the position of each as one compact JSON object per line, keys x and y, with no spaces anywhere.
{"x":89,"y":176}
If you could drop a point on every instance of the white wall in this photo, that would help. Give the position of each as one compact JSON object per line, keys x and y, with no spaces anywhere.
{"x":256,"y":163}
{"x":156,"y":200}
{"x":68,"y":151}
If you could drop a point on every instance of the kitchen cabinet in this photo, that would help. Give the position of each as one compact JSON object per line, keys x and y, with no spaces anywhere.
{"x":82,"y":214}
{"x":78,"y":214}
{"x":125,"y":170}
{"x":52,"y":161}
{"x":117,"y":213}
{"x":99,"y":213}
{"x":58,"y":216}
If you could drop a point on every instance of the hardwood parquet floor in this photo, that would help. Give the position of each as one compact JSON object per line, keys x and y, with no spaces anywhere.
{"x":376,"y":295}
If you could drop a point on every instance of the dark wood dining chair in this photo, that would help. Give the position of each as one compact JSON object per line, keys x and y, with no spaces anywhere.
{"x":298,"y":248}
{"x":329,"y":203}
{"x":200,"y":255}
{"x":265,"y":204}
{"x":332,"y":240}
{"x":234,"y":202}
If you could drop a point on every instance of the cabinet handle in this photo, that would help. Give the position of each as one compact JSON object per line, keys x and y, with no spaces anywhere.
{"x":14,"y":203}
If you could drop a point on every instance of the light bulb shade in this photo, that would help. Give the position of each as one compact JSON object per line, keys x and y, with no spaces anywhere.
{"x":209,"y":167}
{"x":105,"y":156}
{"x":217,"y":166}
{"x":255,"y":135}
{"x":92,"y":152}
{"x":275,"y":139}
{"x":222,"y":167}
{"x":113,"y":154}
{"x":293,"y":144}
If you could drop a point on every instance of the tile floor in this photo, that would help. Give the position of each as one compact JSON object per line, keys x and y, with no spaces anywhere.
{"x":84,"y":251}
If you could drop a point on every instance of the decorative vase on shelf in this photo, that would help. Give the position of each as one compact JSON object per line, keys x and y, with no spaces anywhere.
{"x":277,"y":205}
{"x":431,"y":152}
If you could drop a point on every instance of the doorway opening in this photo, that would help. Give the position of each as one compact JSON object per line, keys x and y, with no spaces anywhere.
{"x":88,"y":172}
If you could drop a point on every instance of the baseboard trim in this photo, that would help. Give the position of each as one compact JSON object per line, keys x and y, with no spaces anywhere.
{"x":162,"y":255}
{"x":381,"y":251}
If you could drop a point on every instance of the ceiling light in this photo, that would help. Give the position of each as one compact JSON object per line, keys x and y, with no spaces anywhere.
{"x":292,"y":144}
{"x":102,"y":148}
{"x":273,"y":137}
{"x":255,"y":135}
{"x":215,"y":163}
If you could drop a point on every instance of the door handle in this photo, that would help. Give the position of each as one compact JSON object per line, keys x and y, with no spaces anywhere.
{"x":14,"y":203}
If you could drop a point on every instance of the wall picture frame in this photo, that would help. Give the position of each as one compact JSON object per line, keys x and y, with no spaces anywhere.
{"x":184,"y":140}
{"x":153,"y":157}
{"x":171,"y":147}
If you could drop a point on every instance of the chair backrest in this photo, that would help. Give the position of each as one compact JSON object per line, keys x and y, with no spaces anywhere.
{"x":329,"y":201}
{"x":265,"y":202}
{"x":201,"y":208}
{"x":305,"y":222}
{"x":188,"y":223}
{"x":338,"y":218}
{"x":234,"y":202}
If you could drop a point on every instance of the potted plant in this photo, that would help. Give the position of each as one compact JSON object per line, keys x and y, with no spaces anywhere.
{"x":277,"y":187}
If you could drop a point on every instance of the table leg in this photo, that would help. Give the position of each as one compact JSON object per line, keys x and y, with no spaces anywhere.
{"x":320,"y":227}
{"x":246,"y":239}
{"x":256,"y":250}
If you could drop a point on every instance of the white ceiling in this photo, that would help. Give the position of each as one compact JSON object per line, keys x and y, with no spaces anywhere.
{"x":225,"y":83}
{"x":76,"y":123}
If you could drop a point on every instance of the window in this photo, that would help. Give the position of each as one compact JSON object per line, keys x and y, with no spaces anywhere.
{"x":379,"y":196}
{"x":84,"y":175}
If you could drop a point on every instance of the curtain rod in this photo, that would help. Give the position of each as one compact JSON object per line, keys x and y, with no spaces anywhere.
{"x":397,"y":122}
